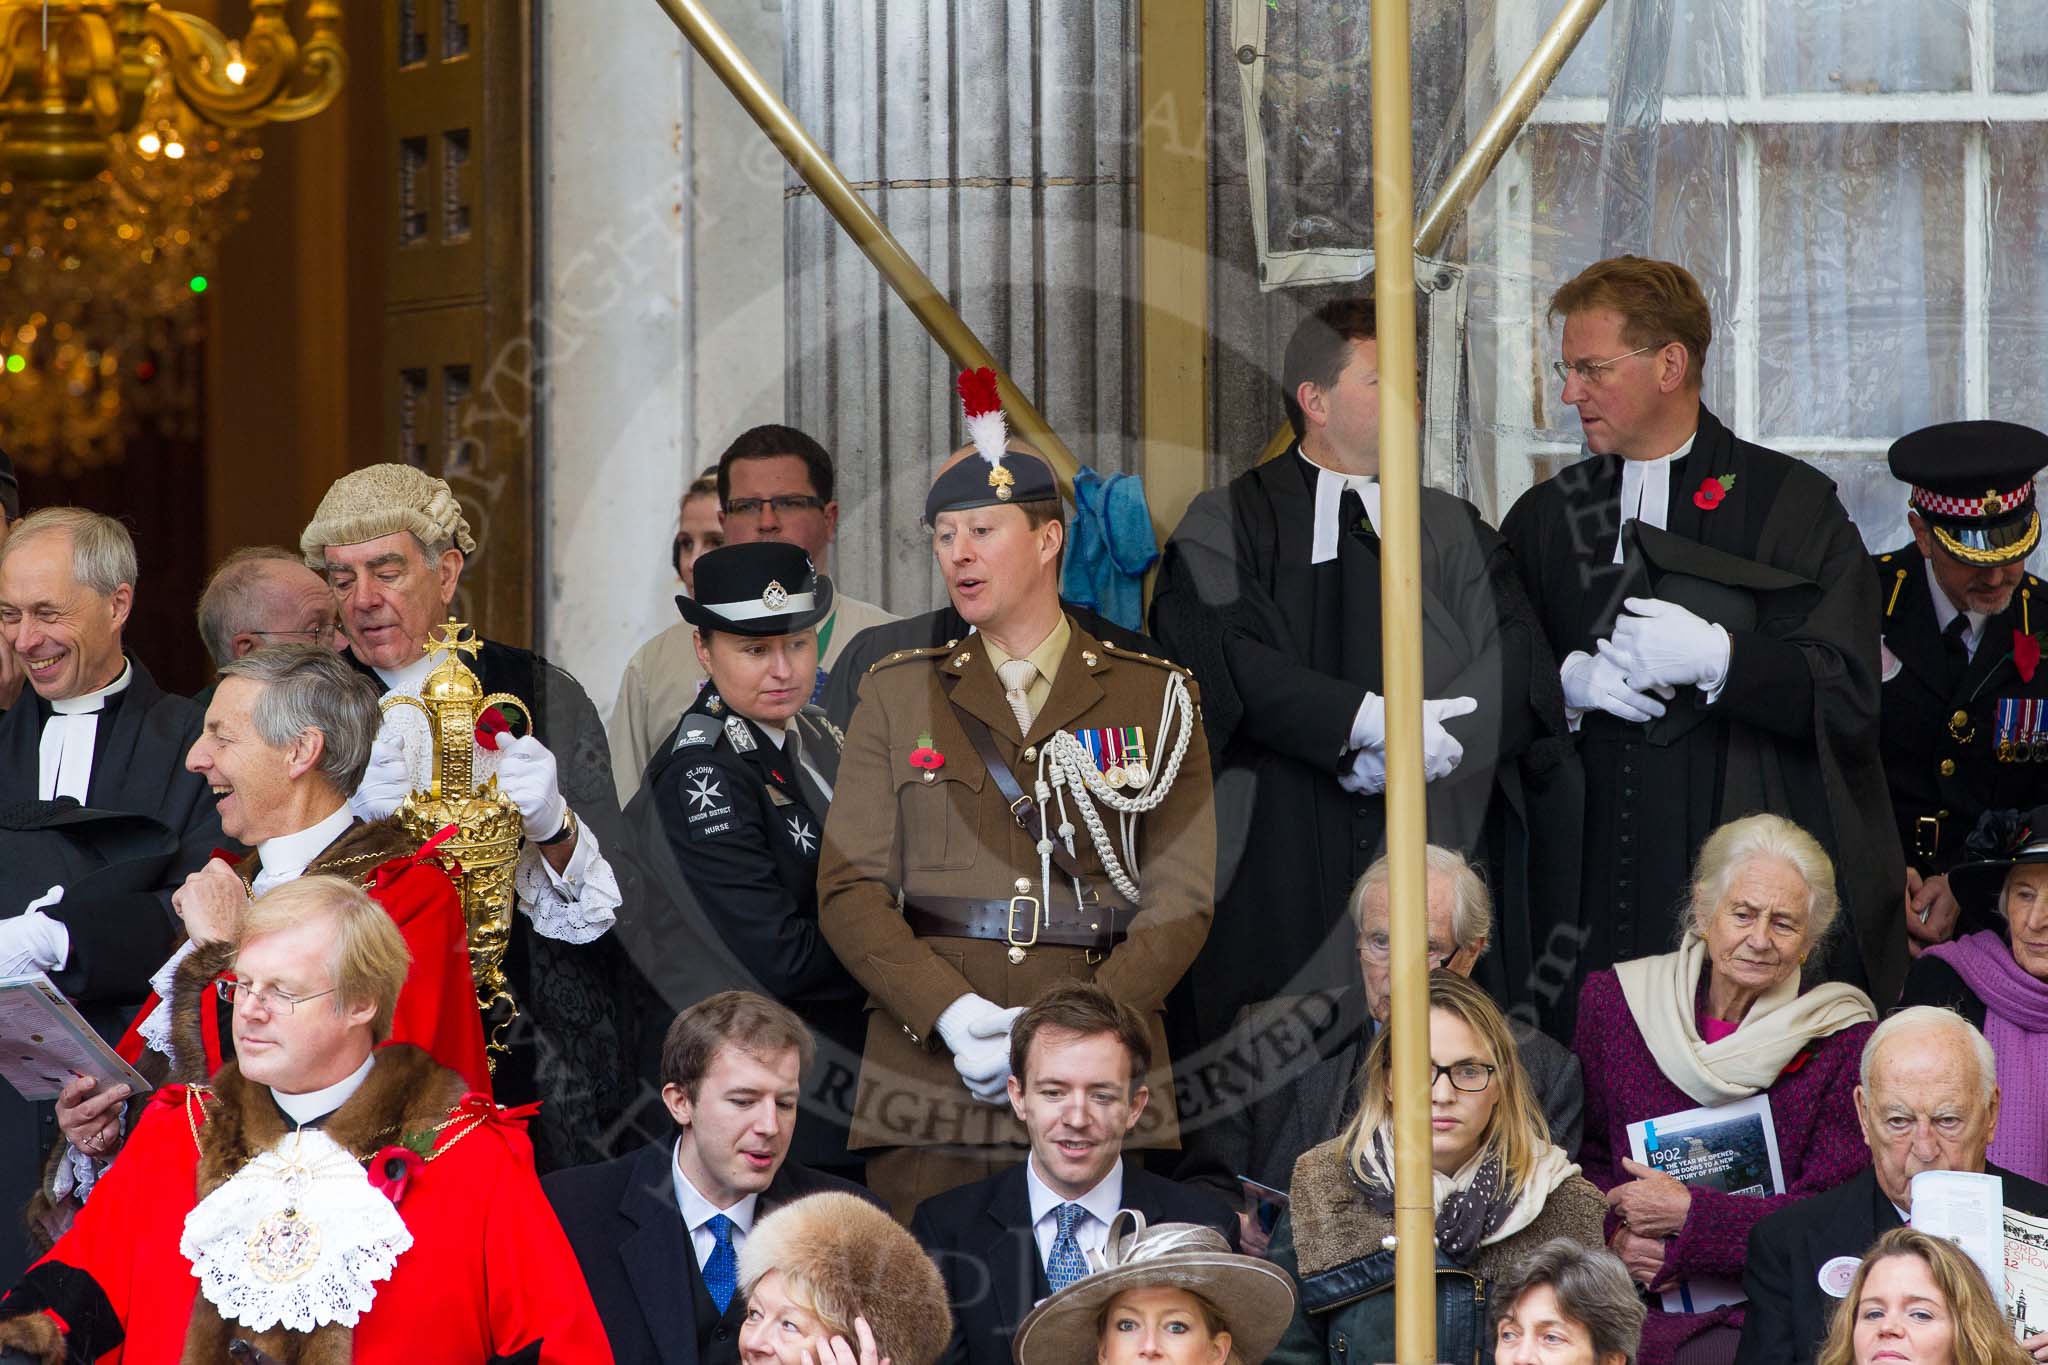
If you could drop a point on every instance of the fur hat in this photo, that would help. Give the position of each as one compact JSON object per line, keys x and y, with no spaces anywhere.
{"x":849,"y":1259}
{"x":381,"y":500}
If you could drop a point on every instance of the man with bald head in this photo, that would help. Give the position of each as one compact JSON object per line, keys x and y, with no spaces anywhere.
{"x":1928,"y":1101}
{"x":1282,"y":1081}
{"x":262,"y":595}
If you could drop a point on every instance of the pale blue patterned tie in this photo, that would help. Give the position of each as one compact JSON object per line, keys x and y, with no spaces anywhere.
{"x":1066,"y":1264}
{"x":722,"y":1268}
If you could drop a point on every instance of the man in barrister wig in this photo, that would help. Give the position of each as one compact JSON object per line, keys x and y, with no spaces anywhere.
{"x":1965,"y":718}
{"x":1270,"y":592}
{"x":99,"y":821}
{"x":1714,"y":618}
{"x":391,"y":541}
{"x":1023,"y":805}
{"x":324,"y":1199}
{"x":287,"y":736}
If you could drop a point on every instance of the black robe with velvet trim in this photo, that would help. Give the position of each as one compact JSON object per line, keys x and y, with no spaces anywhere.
{"x":1285,"y":651}
{"x":588,"y":1037}
{"x":123,"y":933}
{"x":1794,"y":731}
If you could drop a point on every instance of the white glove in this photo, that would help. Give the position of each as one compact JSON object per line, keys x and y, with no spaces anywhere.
{"x":33,"y":942}
{"x":1367,"y":775}
{"x":1599,"y":682}
{"x":1441,"y":751}
{"x":1670,"y":646}
{"x":527,"y":775}
{"x":977,"y":1030}
{"x":386,"y":782}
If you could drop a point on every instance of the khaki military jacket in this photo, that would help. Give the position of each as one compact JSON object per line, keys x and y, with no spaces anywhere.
{"x":890,"y":830}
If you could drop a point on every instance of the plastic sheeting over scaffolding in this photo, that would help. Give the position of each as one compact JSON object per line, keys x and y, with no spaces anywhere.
{"x":1860,"y":186}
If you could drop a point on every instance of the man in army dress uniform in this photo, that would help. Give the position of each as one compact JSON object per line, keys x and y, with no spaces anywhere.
{"x":1025,"y":764}
{"x":1965,"y":713}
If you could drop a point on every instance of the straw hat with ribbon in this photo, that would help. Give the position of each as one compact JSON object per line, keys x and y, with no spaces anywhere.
{"x":1255,"y":1297}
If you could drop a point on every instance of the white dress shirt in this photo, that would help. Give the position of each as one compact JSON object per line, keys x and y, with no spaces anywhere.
{"x":1091,"y":1233}
{"x":286,"y":857}
{"x":303,"y":1109}
{"x":1945,"y":612}
{"x":64,"y":755}
{"x":1330,"y":486}
{"x":1646,"y":491}
{"x":699,"y":1211}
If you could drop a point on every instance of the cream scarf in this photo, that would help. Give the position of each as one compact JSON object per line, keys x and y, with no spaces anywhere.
{"x":1552,"y":1169}
{"x":1661,"y":992}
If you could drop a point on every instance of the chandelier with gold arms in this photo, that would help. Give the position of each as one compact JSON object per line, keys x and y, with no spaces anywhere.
{"x":74,"y":73}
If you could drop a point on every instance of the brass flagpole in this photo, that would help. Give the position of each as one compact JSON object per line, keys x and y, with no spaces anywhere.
{"x":1393,"y":198}
{"x":876,"y":242}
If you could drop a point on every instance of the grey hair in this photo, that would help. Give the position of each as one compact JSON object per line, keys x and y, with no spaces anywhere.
{"x":102,"y":551}
{"x":232,"y":597}
{"x":1471,"y":906}
{"x":310,"y":687}
{"x":1948,"y":1021}
{"x":1592,"y":1288}
{"x":1740,"y":842}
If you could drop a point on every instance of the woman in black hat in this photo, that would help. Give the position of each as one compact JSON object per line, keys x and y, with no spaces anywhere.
{"x":741,"y":788}
{"x":1997,"y":977}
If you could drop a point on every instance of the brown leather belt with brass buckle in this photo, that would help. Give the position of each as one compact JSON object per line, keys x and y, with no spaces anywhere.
{"x":1018,"y":921}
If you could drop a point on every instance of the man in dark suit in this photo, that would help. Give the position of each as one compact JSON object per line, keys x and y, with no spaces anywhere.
{"x":1283,"y":1080}
{"x":658,"y":1232}
{"x":1928,"y":1102}
{"x":1078,"y":1058}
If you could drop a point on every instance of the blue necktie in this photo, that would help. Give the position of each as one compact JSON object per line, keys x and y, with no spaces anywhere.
{"x":1066,"y":1264}
{"x":722,"y":1269}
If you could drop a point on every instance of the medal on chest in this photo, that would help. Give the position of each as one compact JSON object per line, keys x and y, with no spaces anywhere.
{"x":2021,"y":721}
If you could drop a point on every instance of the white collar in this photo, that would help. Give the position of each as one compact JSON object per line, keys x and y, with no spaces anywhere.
{"x":697,"y":1210}
{"x":1330,"y":486}
{"x":1945,"y":612}
{"x":94,"y":701}
{"x":1646,"y":491}
{"x":1102,"y":1202}
{"x":314,"y":1104}
{"x":411,"y":677}
{"x":288,"y":855}
{"x":776,"y":737}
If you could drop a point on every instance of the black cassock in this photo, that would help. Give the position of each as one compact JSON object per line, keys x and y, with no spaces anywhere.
{"x":588,"y":1037}
{"x":1285,"y":652}
{"x":743,"y":823}
{"x":123,"y":933}
{"x":1794,"y":731}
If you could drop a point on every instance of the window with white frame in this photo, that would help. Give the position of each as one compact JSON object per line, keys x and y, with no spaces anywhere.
{"x":1861,"y":186}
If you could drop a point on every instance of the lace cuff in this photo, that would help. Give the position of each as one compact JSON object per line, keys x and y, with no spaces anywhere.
{"x":76,"y":1174}
{"x":155,"y":1030}
{"x":575,"y":905}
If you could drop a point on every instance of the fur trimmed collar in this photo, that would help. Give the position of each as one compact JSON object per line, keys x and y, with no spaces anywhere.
{"x":406,"y":1091}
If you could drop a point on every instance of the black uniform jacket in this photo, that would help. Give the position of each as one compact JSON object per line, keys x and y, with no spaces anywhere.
{"x":1963,"y":734}
{"x":1789,"y":1312}
{"x":743,"y":824}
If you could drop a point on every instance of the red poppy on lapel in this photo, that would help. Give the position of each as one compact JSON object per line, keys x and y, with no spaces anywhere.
{"x":1712,"y":490}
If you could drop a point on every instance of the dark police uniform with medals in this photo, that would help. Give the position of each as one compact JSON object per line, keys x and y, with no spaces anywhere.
{"x":952,"y":875}
{"x":1963,"y":733}
{"x":744,"y":820}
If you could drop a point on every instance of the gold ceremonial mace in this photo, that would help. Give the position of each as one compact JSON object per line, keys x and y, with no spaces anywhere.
{"x":485,"y":847}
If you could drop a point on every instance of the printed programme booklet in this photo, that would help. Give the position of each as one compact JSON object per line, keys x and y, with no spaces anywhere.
{"x":45,"y":1043}
{"x":1728,"y":1148}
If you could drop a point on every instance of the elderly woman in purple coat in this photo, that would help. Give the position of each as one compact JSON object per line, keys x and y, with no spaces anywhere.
{"x":1718,"y":1021}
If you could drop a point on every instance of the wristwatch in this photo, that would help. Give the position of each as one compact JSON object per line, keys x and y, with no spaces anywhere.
{"x":567,"y":831}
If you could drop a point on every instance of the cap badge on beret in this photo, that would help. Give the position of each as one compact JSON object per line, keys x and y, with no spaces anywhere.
{"x":774,"y":596}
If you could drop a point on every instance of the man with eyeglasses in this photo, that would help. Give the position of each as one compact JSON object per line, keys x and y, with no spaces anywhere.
{"x":330,"y":1195}
{"x":774,"y":483}
{"x":1927,"y":1100}
{"x":263,"y":595}
{"x":1269,"y":591}
{"x":1714,"y":614}
{"x":1283,"y":1078}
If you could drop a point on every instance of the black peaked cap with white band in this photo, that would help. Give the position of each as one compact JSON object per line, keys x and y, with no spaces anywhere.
{"x":764,"y":587}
